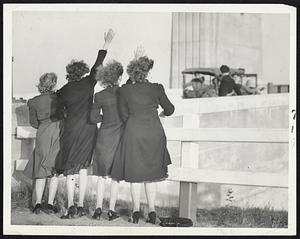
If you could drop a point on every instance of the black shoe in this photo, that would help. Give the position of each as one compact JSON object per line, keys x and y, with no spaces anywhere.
{"x":151,"y":217}
{"x":97,"y":213}
{"x":112,"y":215}
{"x":37,"y":208}
{"x":70,"y":213}
{"x":80,"y":211}
{"x":51,"y":209}
{"x":135,"y":217}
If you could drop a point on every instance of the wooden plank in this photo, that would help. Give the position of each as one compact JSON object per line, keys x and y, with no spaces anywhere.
{"x":26,"y":132}
{"x":260,"y":179}
{"x":214,"y":176}
{"x":188,"y":200}
{"x":189,"y":159}
{"x":221,"y":104}
{"x":21,"y":164}
{"x":254,"y":135}
{"x":262,"y":135}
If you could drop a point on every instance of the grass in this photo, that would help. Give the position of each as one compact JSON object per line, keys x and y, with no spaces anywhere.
{"x":228,"y":216}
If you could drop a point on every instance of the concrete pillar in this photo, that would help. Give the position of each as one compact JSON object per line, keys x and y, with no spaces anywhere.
{"x":213,"y":39}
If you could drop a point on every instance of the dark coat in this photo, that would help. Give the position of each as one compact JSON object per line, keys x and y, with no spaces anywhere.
{"x":79,"y":136}
{"x":227,"y":86}
{"x":142,"y":154}
{"x":110,"y":131}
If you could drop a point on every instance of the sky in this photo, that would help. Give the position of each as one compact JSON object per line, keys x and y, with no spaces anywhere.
{"x":47,"y":41}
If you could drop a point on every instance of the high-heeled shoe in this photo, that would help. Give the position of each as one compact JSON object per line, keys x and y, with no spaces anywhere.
{"x":151,"y":217}
{"x":112,"y":215}
{"x":70,"y":213}
{"x":50,"y":209}
{"x":37,"y":208}
{"x":80,"y":211}
{"x":135,"y":217}
{"x":97,"y":213}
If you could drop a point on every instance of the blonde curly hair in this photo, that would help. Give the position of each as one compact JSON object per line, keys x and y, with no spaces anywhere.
{"x":109,"y":74}
{"x":47,"y":82}
{"x":138,"y":69}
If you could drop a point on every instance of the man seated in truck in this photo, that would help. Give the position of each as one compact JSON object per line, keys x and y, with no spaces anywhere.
{"x":196,"y":88}
{"x":228,"y":87}
{"x":247,"y":89}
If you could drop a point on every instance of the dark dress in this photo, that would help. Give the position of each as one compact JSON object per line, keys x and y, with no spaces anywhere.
{"x":227,"y":86}
{"x":45,"y":115}
{"x":79,"y":136}
{"x":110,"y":131}
{"x":142,"y":155}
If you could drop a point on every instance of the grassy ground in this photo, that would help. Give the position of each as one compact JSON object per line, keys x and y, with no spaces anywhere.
{"x":219,"y":217}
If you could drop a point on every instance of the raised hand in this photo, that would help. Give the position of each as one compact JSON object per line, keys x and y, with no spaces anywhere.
{"x":139,"y":52}
{"x":108,"y":36}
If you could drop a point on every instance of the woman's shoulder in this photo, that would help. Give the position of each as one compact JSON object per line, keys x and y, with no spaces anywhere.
{"x":157,"y":87}
{"x":31,"y":101}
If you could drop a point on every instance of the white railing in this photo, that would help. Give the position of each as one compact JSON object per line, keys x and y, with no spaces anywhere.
{"x":188,"y":173}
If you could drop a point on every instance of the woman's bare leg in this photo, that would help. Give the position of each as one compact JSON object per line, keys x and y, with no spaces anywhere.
{"x":113,"y":194}
{"x":135,"y":194}
{"x":52,"y":189}
{"x":100,"y":191}
{"x":39,"y":189}
{"x":150,"y":189}
{"x":70,"y":189}
{"x":82,"y":185}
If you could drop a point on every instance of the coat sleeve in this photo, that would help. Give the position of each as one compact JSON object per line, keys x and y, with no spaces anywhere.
{"x":61,"y":110}
{"x":99,"y":62}
{"x":95,"y":116}
{"x":164,"y":101}
{"x":123,"y":106}
{"x":33,"y":120}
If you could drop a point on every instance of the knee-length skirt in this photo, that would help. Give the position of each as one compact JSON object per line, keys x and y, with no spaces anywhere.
{"x":107,"y":143}
{"x":142,"y":155}
{"x":47,"y":146}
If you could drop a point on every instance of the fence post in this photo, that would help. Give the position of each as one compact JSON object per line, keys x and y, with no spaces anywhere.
{"x":189,"y":159}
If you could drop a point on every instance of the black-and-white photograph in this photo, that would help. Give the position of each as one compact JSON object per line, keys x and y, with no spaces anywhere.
{"x":149,"y":117}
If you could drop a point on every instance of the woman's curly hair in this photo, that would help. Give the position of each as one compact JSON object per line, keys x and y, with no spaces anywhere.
{"x":109,"y":74}
{"x":138,"y":69}
{"x":47,"y":82}
{"x":76,"y":70}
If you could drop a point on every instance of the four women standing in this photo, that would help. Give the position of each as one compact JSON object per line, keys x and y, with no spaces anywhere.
{"x":131,"y":143}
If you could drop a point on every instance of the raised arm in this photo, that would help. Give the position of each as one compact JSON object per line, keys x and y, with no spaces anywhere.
{"x":33,"y":120}
{"x":101,"y":55}
{"x":164,"y":102}
{"x":95,"y":116}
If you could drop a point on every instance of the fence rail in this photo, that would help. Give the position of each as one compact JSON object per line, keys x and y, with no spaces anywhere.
{"x":189,"y":175}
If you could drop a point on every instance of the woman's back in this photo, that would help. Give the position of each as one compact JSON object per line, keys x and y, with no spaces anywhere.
{"x":107,"y":100}
{"x":144,"y":98}
{"x":45,"y":107}
{"x":77,"y":97}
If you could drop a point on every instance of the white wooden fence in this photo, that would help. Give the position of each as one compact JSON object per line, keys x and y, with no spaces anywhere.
{"x":188,"y":173}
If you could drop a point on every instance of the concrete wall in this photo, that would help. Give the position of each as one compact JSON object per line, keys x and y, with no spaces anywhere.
{"x":260,"y":43}
{"x":213,"y":39}
{"x":262,"y":157}
{"x":276,"y":48}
